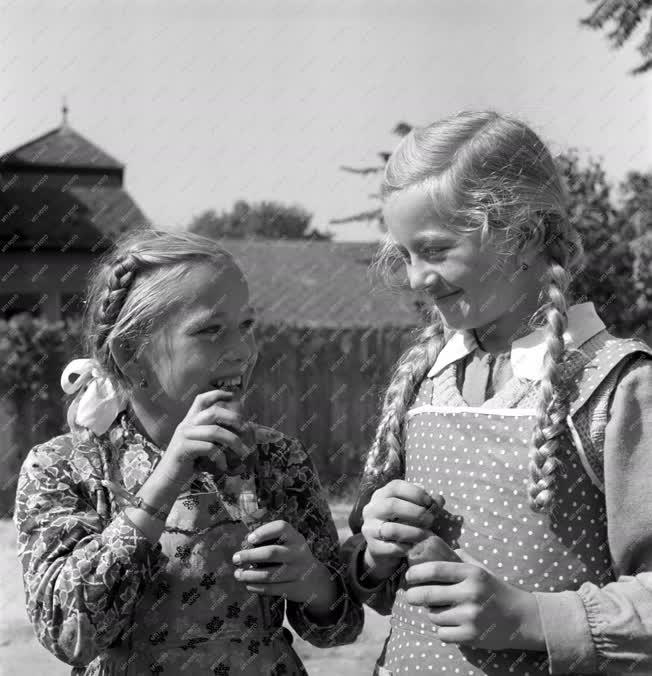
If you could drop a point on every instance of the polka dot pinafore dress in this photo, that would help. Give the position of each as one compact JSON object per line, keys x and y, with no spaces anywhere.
{"x":477,"y":458}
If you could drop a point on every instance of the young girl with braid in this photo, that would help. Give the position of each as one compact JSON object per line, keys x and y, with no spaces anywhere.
{"x":504,"y":518}
{"x":164,"y":534}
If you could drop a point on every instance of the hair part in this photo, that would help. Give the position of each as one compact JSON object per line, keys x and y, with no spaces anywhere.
{"x":492,"y":172}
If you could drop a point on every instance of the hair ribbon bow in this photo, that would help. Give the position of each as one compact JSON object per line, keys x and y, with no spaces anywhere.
{"x":97,"y":403}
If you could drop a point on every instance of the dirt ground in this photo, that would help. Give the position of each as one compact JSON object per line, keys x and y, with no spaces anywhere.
{"x":22,"y":655}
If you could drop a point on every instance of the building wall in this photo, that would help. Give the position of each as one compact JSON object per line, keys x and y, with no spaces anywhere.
{"x":45,"y":283}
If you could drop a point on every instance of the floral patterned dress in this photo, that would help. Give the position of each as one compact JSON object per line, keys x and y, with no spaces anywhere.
{"x":105,"y":600}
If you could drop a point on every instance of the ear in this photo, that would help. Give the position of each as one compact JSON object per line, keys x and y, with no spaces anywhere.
{"x":532,"y":243}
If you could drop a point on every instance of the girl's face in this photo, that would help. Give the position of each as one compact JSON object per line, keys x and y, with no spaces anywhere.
{"x":470,"y":284}
{"x":206,"y":343}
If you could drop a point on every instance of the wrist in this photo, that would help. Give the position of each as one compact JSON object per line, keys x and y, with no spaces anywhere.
{"x":325,"y":600}
{"x":158,"y":494}
{"x":529,"y":634}
{"x":167,"y":481}
{"x":373,"y":572}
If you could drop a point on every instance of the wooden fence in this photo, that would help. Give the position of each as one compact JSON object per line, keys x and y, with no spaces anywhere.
{"x":323,"y":386}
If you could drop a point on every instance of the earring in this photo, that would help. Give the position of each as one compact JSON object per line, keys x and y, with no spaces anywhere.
{"x":524,"y":266}
{"x":143,"y":383}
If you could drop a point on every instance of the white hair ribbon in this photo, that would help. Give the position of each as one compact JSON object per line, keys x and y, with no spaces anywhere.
{"x":96,"y":406}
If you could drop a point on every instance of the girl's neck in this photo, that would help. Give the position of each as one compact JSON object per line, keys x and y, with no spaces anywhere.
{"x":497,"y":336}
{"x":154,"y":428}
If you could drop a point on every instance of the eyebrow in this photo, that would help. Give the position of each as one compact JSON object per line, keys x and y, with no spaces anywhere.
{"x":423,"y":241}
{"x":202,"y":317}
{"x":434,"y":239}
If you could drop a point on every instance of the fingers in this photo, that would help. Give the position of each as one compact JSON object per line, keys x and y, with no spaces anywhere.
{"x":218,"y":435}
{"x":396,"y":509}
{"x":275,"y":559}
{"x":432,"y":548}
{"x":206,"y":399}
{"x":278,"y":530}
{"x":433,"y":595}
{"x":274,"y":575}
{"x":415,"y":493}
{"x":437,"y":572}
{"x":284,"y":589}
{"x":206,"y":452}
{"x":392,"y":531}
{"x":445,"y":617}
{"x":380,"y":548}
{"x":218,"y":415}
{"x":462,"y":635}
{"x":262,"y":554}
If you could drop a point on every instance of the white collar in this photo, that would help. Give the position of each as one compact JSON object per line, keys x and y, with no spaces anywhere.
{"x":527,"y":353}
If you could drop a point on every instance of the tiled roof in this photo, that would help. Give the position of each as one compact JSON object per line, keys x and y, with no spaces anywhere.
{"x":75,"y":219}
{"x":320,"y":283}
{"x":61,"y":147}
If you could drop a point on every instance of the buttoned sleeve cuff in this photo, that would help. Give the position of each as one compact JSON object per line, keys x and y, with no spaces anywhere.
{"x":380,"y":597}
{"x":567,"y":634}
{"x":342,"y":626}
{"x":359,"y":584}
{"x":149,"y":557}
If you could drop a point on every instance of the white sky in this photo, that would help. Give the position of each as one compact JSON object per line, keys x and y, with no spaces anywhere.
{"x":208,"y":102}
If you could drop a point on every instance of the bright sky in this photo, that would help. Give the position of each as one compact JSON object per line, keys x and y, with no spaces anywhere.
{"x":208,"y":102}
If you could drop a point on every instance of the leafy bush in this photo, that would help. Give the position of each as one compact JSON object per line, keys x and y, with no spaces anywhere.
{"x":33,"y":352}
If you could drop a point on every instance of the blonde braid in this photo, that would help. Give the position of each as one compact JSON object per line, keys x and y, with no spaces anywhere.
{"x":121,"y":277}
{"x":385,"y":458}
{"x":553,"y":406}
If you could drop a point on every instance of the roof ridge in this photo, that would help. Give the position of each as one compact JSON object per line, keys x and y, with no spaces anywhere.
{"x":109,"y":162}
{"x":38,"y":139}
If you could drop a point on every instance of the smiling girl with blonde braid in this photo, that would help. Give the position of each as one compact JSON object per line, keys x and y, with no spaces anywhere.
{"x":503,"y":518}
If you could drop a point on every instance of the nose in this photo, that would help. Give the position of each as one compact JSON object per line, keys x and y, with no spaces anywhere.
{"x":240,"y":350}
{"x":422,"y":277}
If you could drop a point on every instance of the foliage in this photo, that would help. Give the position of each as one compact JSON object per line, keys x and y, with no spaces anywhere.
{"x":32,"y":352}
{"x":616,"y":228}
{"x":372,"y":215}
{"x":319,"y":384}
{"x":269,"y":220}
{"x":616,"y":237}
{"x":625,"y":16}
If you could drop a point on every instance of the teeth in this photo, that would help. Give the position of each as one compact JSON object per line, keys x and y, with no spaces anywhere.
{"x":229,"y":382}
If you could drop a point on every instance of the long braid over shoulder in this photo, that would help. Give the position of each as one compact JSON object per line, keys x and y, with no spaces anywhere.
{"x":385,"y":458}
{"x":553,"y":405}
{"x":483,"y":171}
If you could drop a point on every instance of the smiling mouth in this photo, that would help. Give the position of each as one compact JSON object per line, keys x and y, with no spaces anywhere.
{"x":448,"y":295}
{"x":233,"y":384}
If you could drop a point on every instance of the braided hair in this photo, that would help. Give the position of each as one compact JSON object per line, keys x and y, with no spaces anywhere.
{"x":485,"y":171}
{"x":134,"y":286}
{"x":120,"y":275}
{"x":553,"y":406}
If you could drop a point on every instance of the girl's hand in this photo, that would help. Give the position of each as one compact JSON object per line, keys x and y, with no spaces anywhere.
{"x":208,"y":431}
{"x":290,"y":569}
{"x":398,"y":515}
{"x":470,"y":605}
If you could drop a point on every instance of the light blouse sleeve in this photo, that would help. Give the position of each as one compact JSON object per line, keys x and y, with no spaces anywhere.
{"x":83,"y":572}
{"x":609,"y":629}
{"x":306,"y":508}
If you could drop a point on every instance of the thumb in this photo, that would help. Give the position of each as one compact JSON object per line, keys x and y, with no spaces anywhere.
{"x":467,"y":558}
